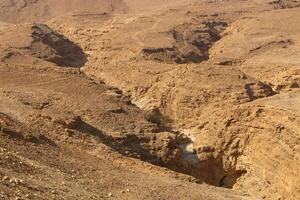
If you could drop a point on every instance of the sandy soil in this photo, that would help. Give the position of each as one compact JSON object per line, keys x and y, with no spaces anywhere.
{"x":138,"y":99}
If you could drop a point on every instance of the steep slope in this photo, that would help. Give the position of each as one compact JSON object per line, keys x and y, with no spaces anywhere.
{"x":38,"y":43}
{"x":173,"y":63}
{"x":58,"y":143}
{"x":272,"y":58}
{"x":206,"y":88}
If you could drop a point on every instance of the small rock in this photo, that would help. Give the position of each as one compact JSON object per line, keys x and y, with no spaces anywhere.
{"x":110,"y":194}
{"x":5,"y":178}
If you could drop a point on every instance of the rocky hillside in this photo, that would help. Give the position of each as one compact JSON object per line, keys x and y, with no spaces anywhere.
{"x":139,"y":98}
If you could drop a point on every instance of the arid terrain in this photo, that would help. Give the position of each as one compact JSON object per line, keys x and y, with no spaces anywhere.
{"x":150,"y":99}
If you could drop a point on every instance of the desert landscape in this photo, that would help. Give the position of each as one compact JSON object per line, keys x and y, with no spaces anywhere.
{"x":150,"y":99}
